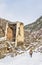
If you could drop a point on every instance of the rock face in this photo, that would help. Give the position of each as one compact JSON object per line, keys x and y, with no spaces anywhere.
{"x":2,"y":27}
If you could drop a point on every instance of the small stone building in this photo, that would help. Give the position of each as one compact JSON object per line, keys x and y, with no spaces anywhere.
{"x":15,"y":33}
{"x":12,"y":32}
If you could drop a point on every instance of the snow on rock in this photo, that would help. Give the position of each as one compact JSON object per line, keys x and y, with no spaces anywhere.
{"x":23,"y":59}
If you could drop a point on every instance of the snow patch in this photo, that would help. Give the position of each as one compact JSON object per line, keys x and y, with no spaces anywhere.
{"x":23,"y":59}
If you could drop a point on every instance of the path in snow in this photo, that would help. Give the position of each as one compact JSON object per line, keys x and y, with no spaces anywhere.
{"x":23,"y":59}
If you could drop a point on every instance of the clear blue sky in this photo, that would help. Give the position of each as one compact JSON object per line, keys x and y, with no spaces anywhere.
{"x":26,"y":11}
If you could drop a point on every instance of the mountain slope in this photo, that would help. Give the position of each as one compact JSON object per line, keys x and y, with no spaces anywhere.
{"x":33,"y":34}
{"x":37,"y":25}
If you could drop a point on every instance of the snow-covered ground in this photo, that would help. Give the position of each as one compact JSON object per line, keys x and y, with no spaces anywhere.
{"x":23,"y":59}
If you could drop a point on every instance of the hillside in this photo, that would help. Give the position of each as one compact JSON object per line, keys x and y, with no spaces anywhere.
{"x":37,"y":25}
{"x":33,"y":35}
{"x":32,"y":40}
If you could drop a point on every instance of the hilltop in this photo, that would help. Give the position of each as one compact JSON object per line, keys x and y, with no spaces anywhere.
{"x":37,"y":25}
